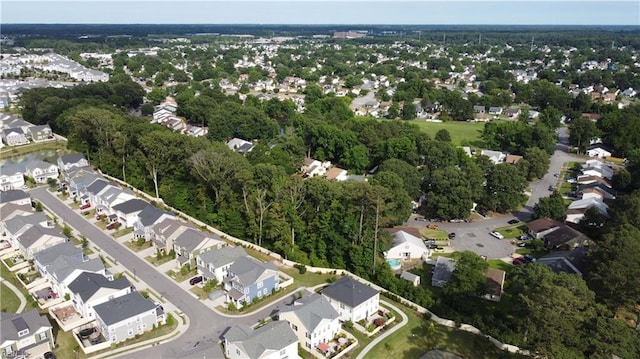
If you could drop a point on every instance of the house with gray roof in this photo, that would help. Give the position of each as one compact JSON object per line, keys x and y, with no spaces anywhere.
{"x":164,"y":233}
{"x":495,"y":156}
{"x":41,"y":133}
{"x":91,"y":289}
{"x":111,"y":196}
{"x":275,"y":340}
{"x":215,"y":263}
{"x":45,"y":258}
{"x":405,"y":246}
{"x":14,"y":136}
{"x":248,"y":278}
{"x":123,"y":317}
{"x":127,"y":212}
{"x":443,"y":271}
{"x":11,"y":210}
{"x":41,"y":171}
{"x":572,"y":262}
{"x":313,"y":319}
{"x":192,"y":242}
{"x":79,"y":180}
{"x":37,"y":238}
{"x":15,"y":226}
{"x":25,"y":335}
{"x":15,"y":196}
{"x":149,"y":216}
{"x":11,"y":177}
{"x":410,"y":277}
{"x":352,"y":299}
{"x":63,"y":270}
{"x":74,"y":160}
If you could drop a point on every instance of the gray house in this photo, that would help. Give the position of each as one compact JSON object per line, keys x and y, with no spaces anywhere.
{"x":122,"y":318}
{"x":215,"y":263}
{"x":41,"y":133}
{"x":353,"y":299}
{"x":313,"y":319}
{"x":74,"y":160}
{"x":14,"y":196}
{"x":192,"y":242}
{"x":249,"y":279}
{"x":149,"y":216}
{"x":274,"y":340}
{"x":91,"y":289}
{"x":25,"y":335}
{"x":37,"y":238}
{"x":47,"y":257}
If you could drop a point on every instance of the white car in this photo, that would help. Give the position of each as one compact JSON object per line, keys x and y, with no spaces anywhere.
{"x":497,"y":235}
{"x":572,"y":180}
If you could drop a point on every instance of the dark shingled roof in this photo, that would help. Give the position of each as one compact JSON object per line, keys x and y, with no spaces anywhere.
{"x":123,"y":308}
{"x":131,"y":206}
{"x":12,"y":195}
{"x":87,"y":284}
{"x":349,"y":291}
{"x":72,"y":158}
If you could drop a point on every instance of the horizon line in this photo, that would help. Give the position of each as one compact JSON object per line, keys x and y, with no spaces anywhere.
{"x":324,"y":24}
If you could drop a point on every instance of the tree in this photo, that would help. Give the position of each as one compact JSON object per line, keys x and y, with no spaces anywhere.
{"x":504,"y":188}
{"x":614,"y":273}
{"x":447,"y":194}
{"x":551,"y":116}
{"x":443,"y":135}
{"x":550,"y":207}
{"x":538,"y":161}
{"x":468,"y":278}
{"x":581,"y":132}
{"x":408,"y":111}
{"x":409,"y":174}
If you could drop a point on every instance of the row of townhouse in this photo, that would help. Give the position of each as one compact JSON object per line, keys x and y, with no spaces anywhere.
{"x":244,"y":280}
{"x":16,"y":131}
{"x":594,"y":189}
{"x":312,"y":322}
{"x":165,"y":115}
{"x":12,"y":174}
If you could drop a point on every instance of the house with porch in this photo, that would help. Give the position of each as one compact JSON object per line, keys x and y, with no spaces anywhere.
{"x":164,"y":233}
{"x":274,"y":340}
{"x":41,"y":171}
{"x":25,"y":335}
{"x":37,"y":238}
{"x":16,"y":226}
{"x":248,"y":279}
{"x":313,"y":319}
{"x":91,"y":289}
{"x":127,"y":212}
{"x":124,"y":317}
{"x":192,"y":242}
{"x":11,"y":177}
{"x":148,"y":217}
{"x":14,"y":137}
{"x":74,"y":160}
{"x":215,"y":263}
{"x":41,"y":133}
{"x":352,"y":299}
{"x":78,"y":180}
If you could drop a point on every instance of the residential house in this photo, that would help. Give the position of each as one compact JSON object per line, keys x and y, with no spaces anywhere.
{"x":598,"y":150}
{"x":93,"y":190}
{"x":37,"y":238}
{"x":41,"y":171}
{"x":495,"y":156}
{"x":442,"y":271}
{"x":127,"y":212}
{"x":352,"y":299}
{"x":583,"y":180}
{"x":16,"y":226}
{"x":495,"y":284}
{"x":79,"y":180}
{"x":313,"y":319}
{"x":274,"y":340}
{"x":540,"y":227}
{"x":595,"y":190}
{"x":41,"y":133}
{"x":25,"y":335}
{"x":163,"y":234}
{"x":10,"y":210}
{"x":91,"y":289}
{"x":124,"y":317}
{"x":479,"y":109}
{"x":555,"y":234}
{"x":405,"y":246}
{"x":74,"y":160}
{"x":577,"y":209}
{"x":109,"y":197}
{"x":15,"y":196}
{"x":512,"y":159}
{"x":45,"y":258}
{"x":410,"y":277}
{"x":495,"y":110}
{"x":572,"y":262}
{"x":239,"y":145}
{"x":214,"y":264}
{"x":11,"y":177}
{"x":191,"y":242}
{"x":312,"y":168}
{"x":248,"y":279}
{"x":14,"y":137}
{"x":512,"y":112}
{"x":149,"y":216}
{"x":336,"y":173}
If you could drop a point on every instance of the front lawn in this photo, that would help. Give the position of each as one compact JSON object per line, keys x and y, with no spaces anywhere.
{"x":500,"y":264}
{"x":134,"y":246}
{"x":308,"y":279}
{"x":123,"y":232}
{"x":179,"y":276}
{"x":436,"y":234}
{"x":156,"y":262}
{"x":10,"y":301}
{"x":513,"y":231}
{"x":462,"y":133}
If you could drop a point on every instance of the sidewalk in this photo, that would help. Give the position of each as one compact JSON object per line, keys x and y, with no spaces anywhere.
{"x":23,"y":301}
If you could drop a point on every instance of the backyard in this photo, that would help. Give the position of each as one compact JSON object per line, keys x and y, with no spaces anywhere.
{"x":10,"y":301}
{"x":462,"y":133}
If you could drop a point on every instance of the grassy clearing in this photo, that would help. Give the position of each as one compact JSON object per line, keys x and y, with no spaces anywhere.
{"x":499,"y":264}
{"x":437,"y":234}
{"x":419,"y":336}
{"x":308,"y":279}
{"x":462,"y":133}
{"x":156,"y":262}
{"x":179,"y":277}
{"x":199,"y":291}
{"x":137,"y":248}
{"x":66,"y":345}
{"x":513,"y":231}
{"x":10,"y":301}
{"x":123,"y":232}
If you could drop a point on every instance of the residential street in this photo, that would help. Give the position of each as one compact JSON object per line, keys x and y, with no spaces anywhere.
{"x":201,"y":338}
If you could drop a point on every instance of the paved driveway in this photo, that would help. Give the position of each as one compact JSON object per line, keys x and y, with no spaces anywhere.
{"x":206,"y":326}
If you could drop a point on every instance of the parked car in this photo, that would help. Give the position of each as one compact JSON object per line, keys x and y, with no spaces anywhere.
{"x":420,"y":219}
{"x":513,"y":221}
{"x":572,"y":180}
{"x":85,"y":206}
{"x":429,"y":242}
{"x":529,"y":258}
{"x":457,"y":220}
{"x":439,"y":249}
{"x":551,"y":188}
{"x":452,"y":235}
{"x":195,"y":280}
{"x":518,"y":261}
{"x":49,"y":355}
{"x":432,"y":246}
{"x":525,"y":237}
{"x":112,"y":225}
{"x":497,"y":235}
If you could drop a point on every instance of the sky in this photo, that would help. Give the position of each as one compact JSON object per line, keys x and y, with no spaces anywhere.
{"x":416,"y":12}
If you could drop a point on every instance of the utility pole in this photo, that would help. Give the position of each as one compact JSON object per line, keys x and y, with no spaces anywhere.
{"x":479,"y":39}
{"x":444,"y":39}
{"x":531,"y":49}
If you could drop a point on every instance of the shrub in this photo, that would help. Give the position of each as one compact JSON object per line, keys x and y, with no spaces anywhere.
{"x":301,"y":268}
{"x":67,"y":297}
{"x":378,"y":322}
{"x":232,"y":307}
{"x":348,"y":324}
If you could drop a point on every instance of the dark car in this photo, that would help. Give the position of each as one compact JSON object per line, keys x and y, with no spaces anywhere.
{"x":513,"y":221}
{"x":551,"y":188}
{"x":452,"y":235}
{"x":420,"y":219}
{"x":195,"y":280}
{"x":49,"y":355}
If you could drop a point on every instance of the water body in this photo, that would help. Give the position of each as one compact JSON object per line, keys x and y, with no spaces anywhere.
{"x":21,"y":161}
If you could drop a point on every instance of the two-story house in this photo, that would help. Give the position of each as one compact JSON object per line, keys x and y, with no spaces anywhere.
{"x":148,"y":217}
{"x":352,"y":299}
{"x":14,"y":137}
{"x":41,"y":171}
{"x":25,"y":335}
{"x":14,"y":227}
{"x":215,"y":263}
{"x":248,"y":279}
{"x":37,"y":238}
{"x":313,"y":320}
{"x":78,"y":180}
{"x":14,"y":196}
{"x":127,"y":212}
{"x":164,"y":233}
{"x":123,"y":317}
{"x":41,"y":133}
{"x":91,"y":289}
{"x":11,"y":177}
{"x":74,"y":160}
{"x":275,"y":340}
{"x":191,"y":242}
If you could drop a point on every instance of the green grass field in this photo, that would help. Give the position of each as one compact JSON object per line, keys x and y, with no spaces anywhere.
{"x":10,"y":301}
{"x":462,"y":133}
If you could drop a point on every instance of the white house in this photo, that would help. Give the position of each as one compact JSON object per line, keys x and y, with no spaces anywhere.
{"x":14,"y":136}
{"x":312,"y":168}
{"x":577,"y":209}
{"x":41,"y":171}
{"x":598,"y":150}
{"x":313,"y":319}
{"x":128,"y":211}
{"x":11,"y":177}
{"x":336,"y":173}
{"x":67,"y":162}
{"x":353,"y":300}
{"x":495,"y":156}
{"x":275,"y":340}
{"x":406,"y":246}
{"x":597,"y":168}
{"x":90,"y":289}
{"x":215,"y":263}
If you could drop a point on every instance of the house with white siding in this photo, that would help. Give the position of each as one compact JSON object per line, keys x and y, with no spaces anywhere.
{"x":352,"y":299}
{"x":41,"y":171}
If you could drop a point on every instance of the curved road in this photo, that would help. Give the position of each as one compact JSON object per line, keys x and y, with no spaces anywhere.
{"x":206,"y":326}
{"x":377,"y":340}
